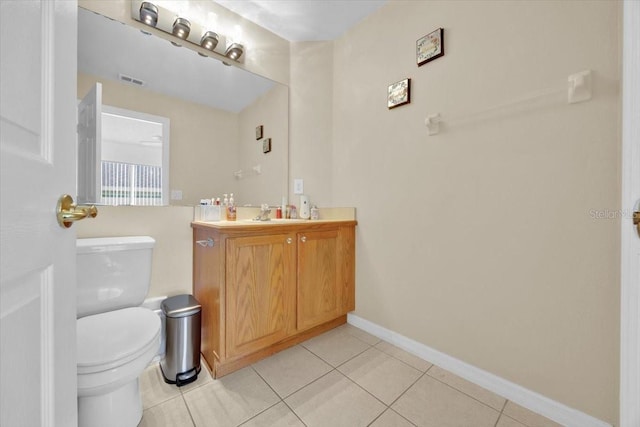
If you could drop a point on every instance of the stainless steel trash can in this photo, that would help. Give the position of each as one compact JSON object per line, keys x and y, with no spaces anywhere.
{"x":181,"y":362}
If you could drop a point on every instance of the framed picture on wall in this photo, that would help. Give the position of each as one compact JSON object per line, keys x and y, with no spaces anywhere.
{"x":266,"y":145}
{"x":259,"y":132}
{"x":399,"y":93}
{"x":430,"y":47}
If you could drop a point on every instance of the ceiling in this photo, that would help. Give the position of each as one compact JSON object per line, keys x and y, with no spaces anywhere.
{"x":106,"y":48}
{"x":304,"y":20}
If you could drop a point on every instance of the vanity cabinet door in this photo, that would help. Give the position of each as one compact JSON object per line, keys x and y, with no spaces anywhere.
{"x":260,"y":292}
{"x":320,"y":294}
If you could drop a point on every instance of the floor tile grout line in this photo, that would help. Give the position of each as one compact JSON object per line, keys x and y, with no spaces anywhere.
{"x":403,"y":417}
{"x":501,"y":412}
{"x":332,"y":368}
{"x":342,"y":363}
{"x":193,"y":421}
{"x":364,"y":389}
{"x":160,"y":403}
{"x":321,"y":376}
{"x":466,"y":394}
{"x":397,"y":358}
{"x":295,"y":413}
{"x":162,"y":384}
{"x":400,"y":360}
{"x":377,"y":417}
{"x":258,"y":414}
{"x":266,"y":382}
{"x":395,"y":412}
{"x":407,"y":389}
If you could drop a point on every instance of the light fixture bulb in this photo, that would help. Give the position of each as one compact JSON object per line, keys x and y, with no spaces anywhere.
{"x":234,"y":51}
{"x":149,"y":13}
{"x":209,"y":40}
{"x":181,"y":28}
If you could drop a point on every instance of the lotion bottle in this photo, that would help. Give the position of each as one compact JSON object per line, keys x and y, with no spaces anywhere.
{"x":231,"y":209}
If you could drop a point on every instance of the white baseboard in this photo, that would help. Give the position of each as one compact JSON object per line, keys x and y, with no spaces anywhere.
{"x":531,"y":400}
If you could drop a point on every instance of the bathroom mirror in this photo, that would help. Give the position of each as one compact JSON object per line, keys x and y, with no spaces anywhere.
{"x":214,"y":110}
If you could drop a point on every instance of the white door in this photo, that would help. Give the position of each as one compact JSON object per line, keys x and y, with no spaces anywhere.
{"x":37,"y":264}
{"x":630,"y":251}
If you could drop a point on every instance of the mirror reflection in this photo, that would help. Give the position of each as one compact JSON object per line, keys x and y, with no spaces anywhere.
{"x":213,"y":110}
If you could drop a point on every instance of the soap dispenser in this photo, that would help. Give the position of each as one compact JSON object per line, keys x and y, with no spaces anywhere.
{"x":304,"y":207}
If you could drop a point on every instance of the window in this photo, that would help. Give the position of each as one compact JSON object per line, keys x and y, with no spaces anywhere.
{"x":123,"y":155}
{"x":131,"y":184}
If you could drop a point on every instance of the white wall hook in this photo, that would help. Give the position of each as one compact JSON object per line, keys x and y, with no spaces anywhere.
{"x":579,"y":87}
{"x":432,"y":122}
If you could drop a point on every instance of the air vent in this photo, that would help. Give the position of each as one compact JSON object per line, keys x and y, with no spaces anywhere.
{"x":131,"y":80}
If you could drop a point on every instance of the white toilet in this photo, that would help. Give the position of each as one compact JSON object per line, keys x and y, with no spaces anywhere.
{"x":116,"y":337}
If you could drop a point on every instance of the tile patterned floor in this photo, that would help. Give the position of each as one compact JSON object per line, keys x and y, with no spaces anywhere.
{"x":343,"y":378}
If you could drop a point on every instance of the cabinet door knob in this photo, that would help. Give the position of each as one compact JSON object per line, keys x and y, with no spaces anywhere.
{"x":303,"y":239}
{"x":289,"y":240}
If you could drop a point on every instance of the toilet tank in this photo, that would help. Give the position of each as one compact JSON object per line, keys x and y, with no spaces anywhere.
{"x":112,"y":273}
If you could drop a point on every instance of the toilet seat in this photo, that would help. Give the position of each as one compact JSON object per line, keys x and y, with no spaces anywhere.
{"x":109,"y":340}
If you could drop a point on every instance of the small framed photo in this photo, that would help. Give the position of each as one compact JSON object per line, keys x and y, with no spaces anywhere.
{"x":399,"y":93}
{"x":266,"y":145}
{"x":430,"y":47}
{"x":259,"y":132}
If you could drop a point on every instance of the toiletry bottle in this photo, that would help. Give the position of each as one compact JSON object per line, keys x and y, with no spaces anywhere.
{"x":231,"y":209}
{"x":315,"y":212}
{"x":225,"y":201}
{"x":283,"y":207}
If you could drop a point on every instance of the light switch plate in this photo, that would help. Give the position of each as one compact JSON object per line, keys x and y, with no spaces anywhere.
{"x":298,"y":186}
{"x":176,"y":194}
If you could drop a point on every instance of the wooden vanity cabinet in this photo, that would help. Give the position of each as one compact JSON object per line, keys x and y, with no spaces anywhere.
{"x":260,"y":292}
{"x":325,"y":276}
{"x":264,"y":288}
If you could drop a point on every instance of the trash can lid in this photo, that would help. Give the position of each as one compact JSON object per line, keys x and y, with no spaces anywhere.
{"x":180,"y":306}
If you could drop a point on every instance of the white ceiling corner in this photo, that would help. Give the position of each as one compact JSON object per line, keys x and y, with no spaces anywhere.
{"x":304,"y":20}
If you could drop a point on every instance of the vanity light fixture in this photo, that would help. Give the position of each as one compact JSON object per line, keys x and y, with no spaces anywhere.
{"x":191,"y":32}
{"x":181,"y":28}
{"x":149,"y":13}
{"x":209,"y":40}
{"x":234,"y":51}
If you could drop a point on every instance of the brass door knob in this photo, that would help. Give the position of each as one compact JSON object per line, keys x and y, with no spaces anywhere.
{"x":636,"y":221}
{"x":68,"y":211}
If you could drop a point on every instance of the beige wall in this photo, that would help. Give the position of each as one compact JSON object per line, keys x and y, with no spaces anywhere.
{"x":269,"y":111}
{"x":169,"y":225}
{"x":311,"y":120}
{"x":479,"y":241}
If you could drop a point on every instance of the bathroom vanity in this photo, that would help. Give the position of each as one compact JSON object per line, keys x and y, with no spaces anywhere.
{"x":266,"y":286}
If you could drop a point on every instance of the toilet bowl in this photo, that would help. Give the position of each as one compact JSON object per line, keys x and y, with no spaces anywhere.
{"x":111,"y":356}
{"x":116,"y":339}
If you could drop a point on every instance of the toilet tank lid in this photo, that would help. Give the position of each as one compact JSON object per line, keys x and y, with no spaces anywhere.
{"x":106,"y":244}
